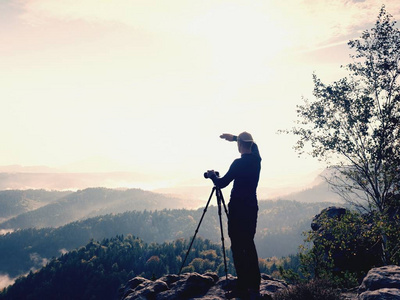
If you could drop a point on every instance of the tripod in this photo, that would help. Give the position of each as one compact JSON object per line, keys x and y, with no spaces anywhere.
{"x":220,"y":199}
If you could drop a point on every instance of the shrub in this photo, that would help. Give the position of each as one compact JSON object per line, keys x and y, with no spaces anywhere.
{"x":313,"y":290}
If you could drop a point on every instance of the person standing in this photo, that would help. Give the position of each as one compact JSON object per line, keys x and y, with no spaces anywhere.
{"x":242,"y":213}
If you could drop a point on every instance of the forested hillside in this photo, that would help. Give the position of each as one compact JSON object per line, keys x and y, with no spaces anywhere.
{"x":15,"y":202}
{"x":97,"y":270}
{"x":279,"y":232}
{"x":89,"y":203}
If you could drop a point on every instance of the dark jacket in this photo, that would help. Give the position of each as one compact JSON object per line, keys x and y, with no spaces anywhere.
{"x":245,"y":173}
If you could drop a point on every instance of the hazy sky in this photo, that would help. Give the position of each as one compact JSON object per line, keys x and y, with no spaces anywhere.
{"x":148,"y":85}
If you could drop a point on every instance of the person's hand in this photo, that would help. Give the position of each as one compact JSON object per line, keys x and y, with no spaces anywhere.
{"x":227,"y":136}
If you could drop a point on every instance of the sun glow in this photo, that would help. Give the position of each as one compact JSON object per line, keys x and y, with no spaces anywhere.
{"x":242,"y":39}
{"x":151,"y":84}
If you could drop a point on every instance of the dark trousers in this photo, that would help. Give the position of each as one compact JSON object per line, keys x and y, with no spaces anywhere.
{"x":242,"y":222}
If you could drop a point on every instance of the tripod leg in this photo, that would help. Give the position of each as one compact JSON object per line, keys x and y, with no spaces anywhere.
{"x":197,"y":230}
{"x":219,"y":200}
{"x":223,"y":202}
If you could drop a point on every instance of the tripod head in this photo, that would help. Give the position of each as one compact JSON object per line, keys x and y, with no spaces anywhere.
{"x":206,"y":176}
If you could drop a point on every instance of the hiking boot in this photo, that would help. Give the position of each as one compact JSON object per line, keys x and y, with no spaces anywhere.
{"x":237,"y":294}
{"x":254,"y":294}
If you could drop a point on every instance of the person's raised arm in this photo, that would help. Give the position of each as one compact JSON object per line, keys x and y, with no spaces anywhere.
{"x":233,"y":138}
{"x":229,"y":137}
{"x":254,"y":150}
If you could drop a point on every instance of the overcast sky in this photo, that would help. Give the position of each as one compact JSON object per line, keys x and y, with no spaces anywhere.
{"x":149,"y":85}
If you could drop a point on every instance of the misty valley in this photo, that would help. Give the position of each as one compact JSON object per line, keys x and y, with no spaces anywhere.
{"x":44,"y":230}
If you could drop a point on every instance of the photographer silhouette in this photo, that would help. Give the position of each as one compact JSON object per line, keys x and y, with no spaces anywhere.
{"x":242,"y":213}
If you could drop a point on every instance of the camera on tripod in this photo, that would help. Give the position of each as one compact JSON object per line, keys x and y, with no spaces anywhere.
{"x":221,"y":204}
{"x":206,"y":174}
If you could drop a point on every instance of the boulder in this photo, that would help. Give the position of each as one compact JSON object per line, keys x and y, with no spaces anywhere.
{"x":192,"y":286}
{"x":381,"y":283}
{"x":147,"y":289}
{"x":330,"y":212}
{"x":381,"y":294}
{"x":270,"y":285}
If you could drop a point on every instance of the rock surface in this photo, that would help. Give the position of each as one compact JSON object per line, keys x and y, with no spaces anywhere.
{"x":381,"y":283}
{"x":192,"y":286}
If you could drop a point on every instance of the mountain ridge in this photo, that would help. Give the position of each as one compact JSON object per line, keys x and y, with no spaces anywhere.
{"x":92,"y":202}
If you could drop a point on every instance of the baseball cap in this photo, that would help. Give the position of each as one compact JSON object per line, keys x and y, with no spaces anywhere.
{"x":245,"y":137}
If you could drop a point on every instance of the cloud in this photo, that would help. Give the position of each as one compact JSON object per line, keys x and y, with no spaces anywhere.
{"x":5,"y":281}
{"x":150,"y":14}
{"x":38,"y":261}
{"x":305,"y":23}
{"x":63,"y":251}
{"x":5,"y":231}
{"x":316,"y":23}
{"x":235,"y":36}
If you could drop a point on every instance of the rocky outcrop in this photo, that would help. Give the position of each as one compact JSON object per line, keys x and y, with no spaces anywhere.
{"x":330,"y":212}
{"x":381,"y":283}
{"x":192,"y":286}
{"x":360,"y":253}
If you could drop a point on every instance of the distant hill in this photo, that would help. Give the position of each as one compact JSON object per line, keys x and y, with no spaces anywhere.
{"x":68,"y":178}
{"x":320,"y":192}
{"x":42,"y":178}
{"x":92,"y":202}
{"x":15,"y":202}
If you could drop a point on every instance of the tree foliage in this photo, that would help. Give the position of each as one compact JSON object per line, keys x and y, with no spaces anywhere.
{"x":353,"y":124}
{"x":344,"y":249}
